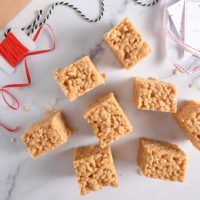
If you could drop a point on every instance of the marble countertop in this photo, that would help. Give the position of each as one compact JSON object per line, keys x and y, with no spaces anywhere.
{"x":52,"y":177}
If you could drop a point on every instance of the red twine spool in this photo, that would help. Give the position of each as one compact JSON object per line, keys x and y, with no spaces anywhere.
{"x":14,"y":52}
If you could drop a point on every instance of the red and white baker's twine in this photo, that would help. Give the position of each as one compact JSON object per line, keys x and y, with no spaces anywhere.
{"x":14,"y":52}
{"x":39,"y":21}
{"x":170,"y":35}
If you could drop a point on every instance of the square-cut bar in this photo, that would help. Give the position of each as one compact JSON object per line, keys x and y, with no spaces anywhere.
{"x":94,"y":168}
{"x":188,"y":118}
{"x":79,"y":78}
{"x":46,"y":135}
{"x":127,"y":44}
{"x":161,"y":160}
{"x":156,"y":95}
{"x":108,"y":120}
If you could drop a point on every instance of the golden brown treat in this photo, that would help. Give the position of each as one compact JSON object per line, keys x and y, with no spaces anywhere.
{"x":156,"y":95}
{"x":188,"y":118}
{"x":42,"y":137}
{"x":127,"y":44}
{"x":161,"y":160}
{"x":94,"y":168}
{"x":79,"y":78}
{"x":108,"y":120}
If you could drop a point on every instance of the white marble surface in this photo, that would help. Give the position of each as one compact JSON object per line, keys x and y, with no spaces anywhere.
{"x":52,"y":177}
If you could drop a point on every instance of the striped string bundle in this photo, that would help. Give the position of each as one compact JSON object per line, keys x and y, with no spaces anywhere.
{"x":39,"y":21}
{"x":146,"y":4}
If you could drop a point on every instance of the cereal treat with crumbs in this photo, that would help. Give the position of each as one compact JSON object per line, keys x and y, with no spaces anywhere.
{"x":79,"y":78}
{"x":188,"y":118}
{"x":108,"y":120}
{"x":161,"y":160}
{"x":156,"y":95}
{"x":94,"y":168}
{"x":44,"y":136}
{"x":127,"y":44}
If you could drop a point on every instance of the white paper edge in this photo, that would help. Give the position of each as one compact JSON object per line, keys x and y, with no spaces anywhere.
{"x":24,"y":39}
{"x":186,"y":53}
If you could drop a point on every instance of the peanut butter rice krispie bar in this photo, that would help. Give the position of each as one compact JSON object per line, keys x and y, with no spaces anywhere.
{"x":127,"y":44}
{"x":108,"y":120}
{"x":188,"y":118}
{"x":161,"y":160}
{"x":94,"y":168}
{"x":79,"y":78}
{"x":42,"y":137}
{"x":156,"y":95}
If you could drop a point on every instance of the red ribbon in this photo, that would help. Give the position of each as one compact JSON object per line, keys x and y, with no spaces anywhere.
{"x":12,"y":60}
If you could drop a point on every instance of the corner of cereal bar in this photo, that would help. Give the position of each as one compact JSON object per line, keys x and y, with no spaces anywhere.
{"x":94,"y":167}
{"x":161,"y":160}
{"x":79,"y":78}
{"x":155,"y":95}
{"x":127,"y":44}
{"x":46,"y":135}
{"x":108,"y":120}
{"x":188,"y":118}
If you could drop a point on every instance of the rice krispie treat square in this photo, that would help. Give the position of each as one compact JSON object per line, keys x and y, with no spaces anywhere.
{"x":79,"y":78}
{"x":108,"y":120}
{"x":161,"y":160}
{"x":188,"y":118}
{"x":156,"y":95}
{"x":42,"y":137}
{"x":127,"y":44}
{"x":94,"y":168}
